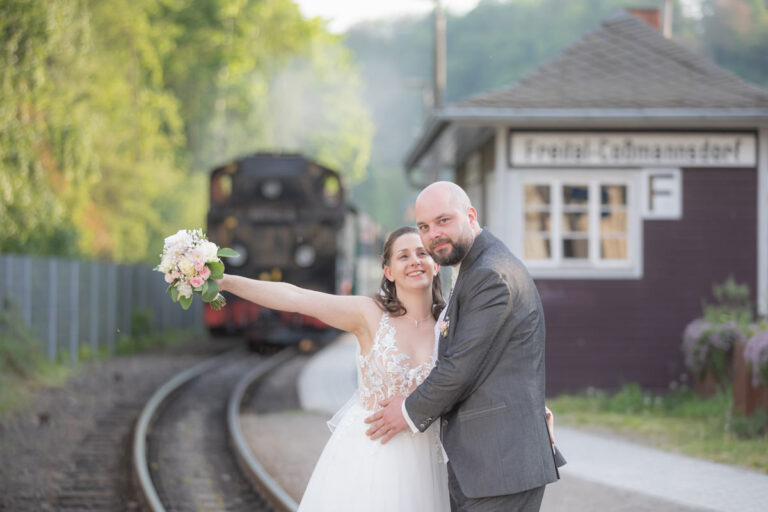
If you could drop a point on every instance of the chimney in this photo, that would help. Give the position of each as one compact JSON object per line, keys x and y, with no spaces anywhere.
{"x":650,"y":16}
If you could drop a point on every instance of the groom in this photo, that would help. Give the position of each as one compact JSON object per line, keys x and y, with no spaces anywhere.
{"x":488,"y":382}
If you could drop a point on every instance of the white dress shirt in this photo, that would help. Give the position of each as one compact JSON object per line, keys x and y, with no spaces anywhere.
{"x":454,"y":275}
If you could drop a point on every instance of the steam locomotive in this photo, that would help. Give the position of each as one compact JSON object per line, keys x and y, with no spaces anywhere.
{"x":288,"y":219}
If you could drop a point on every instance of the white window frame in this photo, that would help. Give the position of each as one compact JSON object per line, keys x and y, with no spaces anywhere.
{"x":594,"y":267}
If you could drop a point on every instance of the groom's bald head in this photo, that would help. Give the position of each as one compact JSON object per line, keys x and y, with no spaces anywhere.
{"x":447,"y":193}
{"x":447,"y":221}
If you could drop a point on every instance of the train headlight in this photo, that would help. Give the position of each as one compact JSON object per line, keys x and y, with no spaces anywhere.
{"x":239,"y":260}
{"x":271,"y":189}
{"x":305,"y":255}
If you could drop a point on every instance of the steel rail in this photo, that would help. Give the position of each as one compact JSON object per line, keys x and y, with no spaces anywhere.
{"x":147,"y":417}
{"x":245,"y":457}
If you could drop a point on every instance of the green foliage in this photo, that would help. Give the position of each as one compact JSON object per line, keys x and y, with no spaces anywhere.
{"x":45,"y":159}
{"x":224,"y":252}
{"x":108,"y":109}
{"x":750,"y":427}
{"x":185,"y":302}
{"x":22,"y":365}
{"x":735,"y":35}
{"x":136,"y":343}
{"x":210,"y":289}
{"x":142,"y":323}
{"x":275,"y":81}
{"x":19,"y":349}
{"x":678,"y":420}
{"x":732,"y":304}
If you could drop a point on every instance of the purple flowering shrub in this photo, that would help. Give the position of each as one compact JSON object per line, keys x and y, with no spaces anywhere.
{"x":756,"y":354}
{"x":708,"y":346}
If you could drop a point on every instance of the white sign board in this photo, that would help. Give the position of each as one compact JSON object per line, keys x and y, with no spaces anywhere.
{"x":632,"y":149}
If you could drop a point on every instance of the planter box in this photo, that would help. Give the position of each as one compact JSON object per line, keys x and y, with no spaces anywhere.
{"x":746,"y":397}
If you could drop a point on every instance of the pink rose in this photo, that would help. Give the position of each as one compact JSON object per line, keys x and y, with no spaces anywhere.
{"x":199,"y":265}
{"x":196,"y":281}
{"x":205,"y":273}
{"x":169,"y":278}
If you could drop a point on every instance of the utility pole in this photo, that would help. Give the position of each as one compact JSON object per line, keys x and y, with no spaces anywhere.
{"x":667,"y":19}
{"x":439,"y":57}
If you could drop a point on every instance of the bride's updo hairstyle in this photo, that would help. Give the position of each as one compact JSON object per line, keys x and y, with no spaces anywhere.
{"x":386,"y":297}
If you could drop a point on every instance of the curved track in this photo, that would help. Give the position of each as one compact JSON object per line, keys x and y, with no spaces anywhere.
{"x":187,"y":453}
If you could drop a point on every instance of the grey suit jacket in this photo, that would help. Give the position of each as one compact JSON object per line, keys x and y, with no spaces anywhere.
{"x":488,"y":383}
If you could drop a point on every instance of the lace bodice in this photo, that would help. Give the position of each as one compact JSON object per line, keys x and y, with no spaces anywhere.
{"x":385,"y":371}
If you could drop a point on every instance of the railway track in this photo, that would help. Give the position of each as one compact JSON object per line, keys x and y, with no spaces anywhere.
{"x":188,"y":450}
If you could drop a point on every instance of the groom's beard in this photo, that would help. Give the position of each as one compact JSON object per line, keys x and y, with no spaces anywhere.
{"x":458,"y":250}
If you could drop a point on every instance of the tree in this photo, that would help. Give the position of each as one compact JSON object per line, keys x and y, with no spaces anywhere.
{"x":735,"y":35}
{"x":230,"y":68}
{"x":108,"y":109}
{"x":46,"y":163}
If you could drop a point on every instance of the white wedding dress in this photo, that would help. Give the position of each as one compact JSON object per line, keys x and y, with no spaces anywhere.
{"x":355,"y":474}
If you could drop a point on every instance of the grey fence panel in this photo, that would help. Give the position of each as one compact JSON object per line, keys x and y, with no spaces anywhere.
{"x":39,"y":297}
{"x":69,"y":303}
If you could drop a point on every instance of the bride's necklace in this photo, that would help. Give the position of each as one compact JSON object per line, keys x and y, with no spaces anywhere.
{"x":416,"y":322}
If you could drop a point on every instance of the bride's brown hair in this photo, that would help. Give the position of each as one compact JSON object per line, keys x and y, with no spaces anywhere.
{"x":386,"y":297}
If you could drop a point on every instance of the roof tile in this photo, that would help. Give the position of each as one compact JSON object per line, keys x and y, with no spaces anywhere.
{"x":625,"y":63}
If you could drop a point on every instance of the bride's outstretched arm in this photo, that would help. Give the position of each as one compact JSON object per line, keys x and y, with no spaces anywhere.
{"x":345,"y":312}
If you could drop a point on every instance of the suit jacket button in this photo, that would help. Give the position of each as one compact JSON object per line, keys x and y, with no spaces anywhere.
{"x":422,"y":426}
{"x":445,"y":422}
{"x":437,"y":362}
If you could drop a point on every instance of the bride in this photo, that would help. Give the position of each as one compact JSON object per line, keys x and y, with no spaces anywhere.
{"x":395,"y":330}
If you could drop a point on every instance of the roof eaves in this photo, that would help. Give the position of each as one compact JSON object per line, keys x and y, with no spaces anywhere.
{"x":438,"y":121}
{"x":496,"y":114}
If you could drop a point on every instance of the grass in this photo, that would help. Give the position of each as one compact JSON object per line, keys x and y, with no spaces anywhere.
{"x":24,"y":369}
{"x":677,"y":421}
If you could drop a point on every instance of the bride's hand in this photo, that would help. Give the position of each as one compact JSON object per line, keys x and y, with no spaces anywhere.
{"x":220,"y":282}
{"x":550,"y":424}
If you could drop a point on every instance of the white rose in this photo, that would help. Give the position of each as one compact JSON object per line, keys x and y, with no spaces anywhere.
{"x":166,"y":264}
{"x":180,"y":239}
{"x":187,"y":267}
{"x":184,"y":289}
{"x":209,"y":250}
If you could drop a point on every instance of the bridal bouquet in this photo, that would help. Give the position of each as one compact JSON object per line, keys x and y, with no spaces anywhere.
{"x":191,"y":263}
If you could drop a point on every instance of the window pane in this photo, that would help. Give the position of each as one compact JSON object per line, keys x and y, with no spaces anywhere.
{"x":613,"y":248}
{"x":575,"y":223}
{"x":613,"y":195}
{"x":576,"y":248}
{"x":536,"y":195}
{"x":613,"y":222}
{"x":537,"y":222}
{"x":575,"y":195}
{"x":538,"y":247}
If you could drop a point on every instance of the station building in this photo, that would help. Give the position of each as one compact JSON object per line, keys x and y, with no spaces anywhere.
{"x":630,"y":175}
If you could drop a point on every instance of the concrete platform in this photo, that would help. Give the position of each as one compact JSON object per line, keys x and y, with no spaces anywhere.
{"x":602,"y":474}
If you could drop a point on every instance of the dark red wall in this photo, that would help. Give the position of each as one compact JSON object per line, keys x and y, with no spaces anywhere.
{"x":604,"y":333}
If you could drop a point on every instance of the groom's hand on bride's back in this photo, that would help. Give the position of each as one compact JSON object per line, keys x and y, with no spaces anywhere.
{"x":387,"y":422}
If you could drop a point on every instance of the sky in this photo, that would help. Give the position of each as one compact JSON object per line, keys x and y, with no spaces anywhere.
{"x":342,"y":14}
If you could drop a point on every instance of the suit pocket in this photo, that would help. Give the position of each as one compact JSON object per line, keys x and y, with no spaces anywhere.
{"x":473,"y":414}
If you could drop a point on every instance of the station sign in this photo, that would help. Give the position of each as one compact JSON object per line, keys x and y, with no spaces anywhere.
{"x":633,"y":149}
